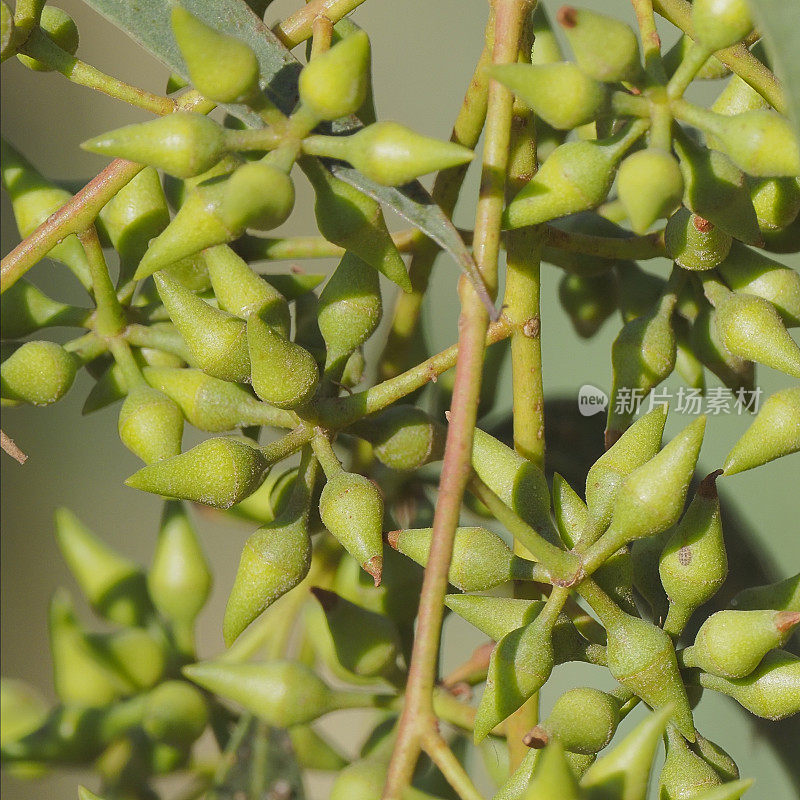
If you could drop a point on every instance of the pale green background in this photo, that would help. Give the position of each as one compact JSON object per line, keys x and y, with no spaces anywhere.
{"x":423,"y":55}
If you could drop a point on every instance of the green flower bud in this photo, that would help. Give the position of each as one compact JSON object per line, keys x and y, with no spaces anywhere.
{"x":715,"y":189}
{"x":282,"y":693}
{"x":242,"y":292}
{"x":637,"y":445}
{"x":569,"y":510}
{"x":733,"y":371}
{"x":257,"y":195}
{"x":518,"y":482}
{"x":519,"y":666}
{"x":650,"y":187}
{"x":721,"y":23}
{"x":365,"y":779}
{"x":22,"y":710}
{"x":642,"y":356}
{"x":270,"y":499}
{"x":738,"y":97}
{"x":582,"y":720}
{"x":776,"y":201}
{"x":115,"y":587}
{"x":553,"y":778}
{"x":615,"y":578}
{"x":79,"y":675}
{"x":781,"y":596}
{"x":728,"y":791}
{"x":150,"y":424}
{"x":695,"y":243}
{"x":588,"y":300}
{"x":179,"y":580}
{"x":714,"y":755}
{"x":347,"y":217}
{"x":221,"y":67}
{"x":684,"y":774}
{"x":25,"y":309}
{"x":8,"y":45}
{"x":176,"y":190}
{"x":389,"y":153}
{"x":575,"y":177}
{"x":771,"y":691}
{"x":313,"y":751}
{"x":687,"y":364}
{"x":217,"y":472}
{"x":33,"y":200}
{"x":638,"y":291}
{"x":605,"y":48}
{"x":39,"y":373}
{"x":751,"y":328}
{"x":136,"y":654}
{"x":645,"y":555}
{"x":481,"y":559}
{"x":365,"y":643}
{"x":560,"y":93}
{"x":183,"y":144}
{"x":731,"y":644}
{"x":61,"y":29}
{"x":775,"y":432}
{"x":712,"y":70}
{"x":217,"y":340}
{"x":694,"y":565}
{"x":334,"y":84}
{"x":349,"y":310}
{"x":176,"y":713}
{"x":283,"y":373}
{"x":750,"y":272}
{"x":351,"y":508}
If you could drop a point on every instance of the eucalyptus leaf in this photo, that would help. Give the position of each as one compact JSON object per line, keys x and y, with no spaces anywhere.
{"x":148,"y":23}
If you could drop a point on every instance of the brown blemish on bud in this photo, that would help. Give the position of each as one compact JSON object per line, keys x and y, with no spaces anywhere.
{"x":460,"y":689}
{"x":532,"y":327}
{"x":786,"y":620}
{"x":537,"y":738}
{"x":685,"y":556}
{"x":567,"y":17}
{"x":611,"y":438}
{"x":392,"y":538}
{"x":702,"y":225}
{"x":326,"y":599}
{"x":375,"y":568}
{"x":708,"y":486}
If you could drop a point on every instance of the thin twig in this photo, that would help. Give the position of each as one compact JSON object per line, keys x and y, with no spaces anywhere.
{"x":298,"y":27}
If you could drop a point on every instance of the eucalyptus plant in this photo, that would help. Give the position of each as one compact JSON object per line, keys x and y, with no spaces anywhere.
{"x":592,"y":160}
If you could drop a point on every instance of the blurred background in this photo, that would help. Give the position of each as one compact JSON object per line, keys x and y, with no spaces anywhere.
{"x":423,"y":56}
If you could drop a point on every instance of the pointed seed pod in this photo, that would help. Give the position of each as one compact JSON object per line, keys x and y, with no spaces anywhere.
{"x":650,"y":187}
{"x":750,"y":328}
{"x":39,"y":373}
{"x":733,"y":371}
{"x":403,"y":437}
{"x":25,"y":309}
{"x":389,"y":153}
{"x":731,"y":644}
{"x":22,"y":710}
{"x":737,"y":97}
{"x":364,"y":779}
{"x":747,"y":271}
{"x":179,"y":580}
{"x":570,"y":512}
{"x":719,"y":24}
{"x":366,"y":643}
{"x":781,"y":596}
{"x":553,"y":778}
{"x":33,"y":200}
{"x":518,"y":482}
{"x":589,"y":300}
{"x":582,"y":720}
{"x":313,"y":751}
{"x":684,"y":774}
{"x":354,"y":221}
{"x":605,"y":48}
{"x":714,"y":755}
{"x":114,"y":586}
{"x":575,"y":177}
{"x":775,"y":432}
{"x":176,"y":713}
{"x":8,"y":44}
{"x":257,"y":195}
{"x":645,"y":555}
{"x":283,"y":373}
{"x":282,"y":693}
{"x":334,"y":84}
{"x":222,"y":68}
{"x":771,"y":691}
{"x":694,"y":565}
{"x":183,"y":144}
{"x":728,"y":791}
{"x":716,"y":190}
{"x":638,"y":291}
{"x":216,"y":339}
{"x":695,"y":243}
{"x":349,"y":309}
{"x":217,"y":472}
{"x":560,"y":93}
{"x":60,"y":28}
{"x":242,"y":292}
{"x":776,"y":201}
{"x":138,"y":655}
{"x":351,"y":508}
{"x":150,"y":424}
